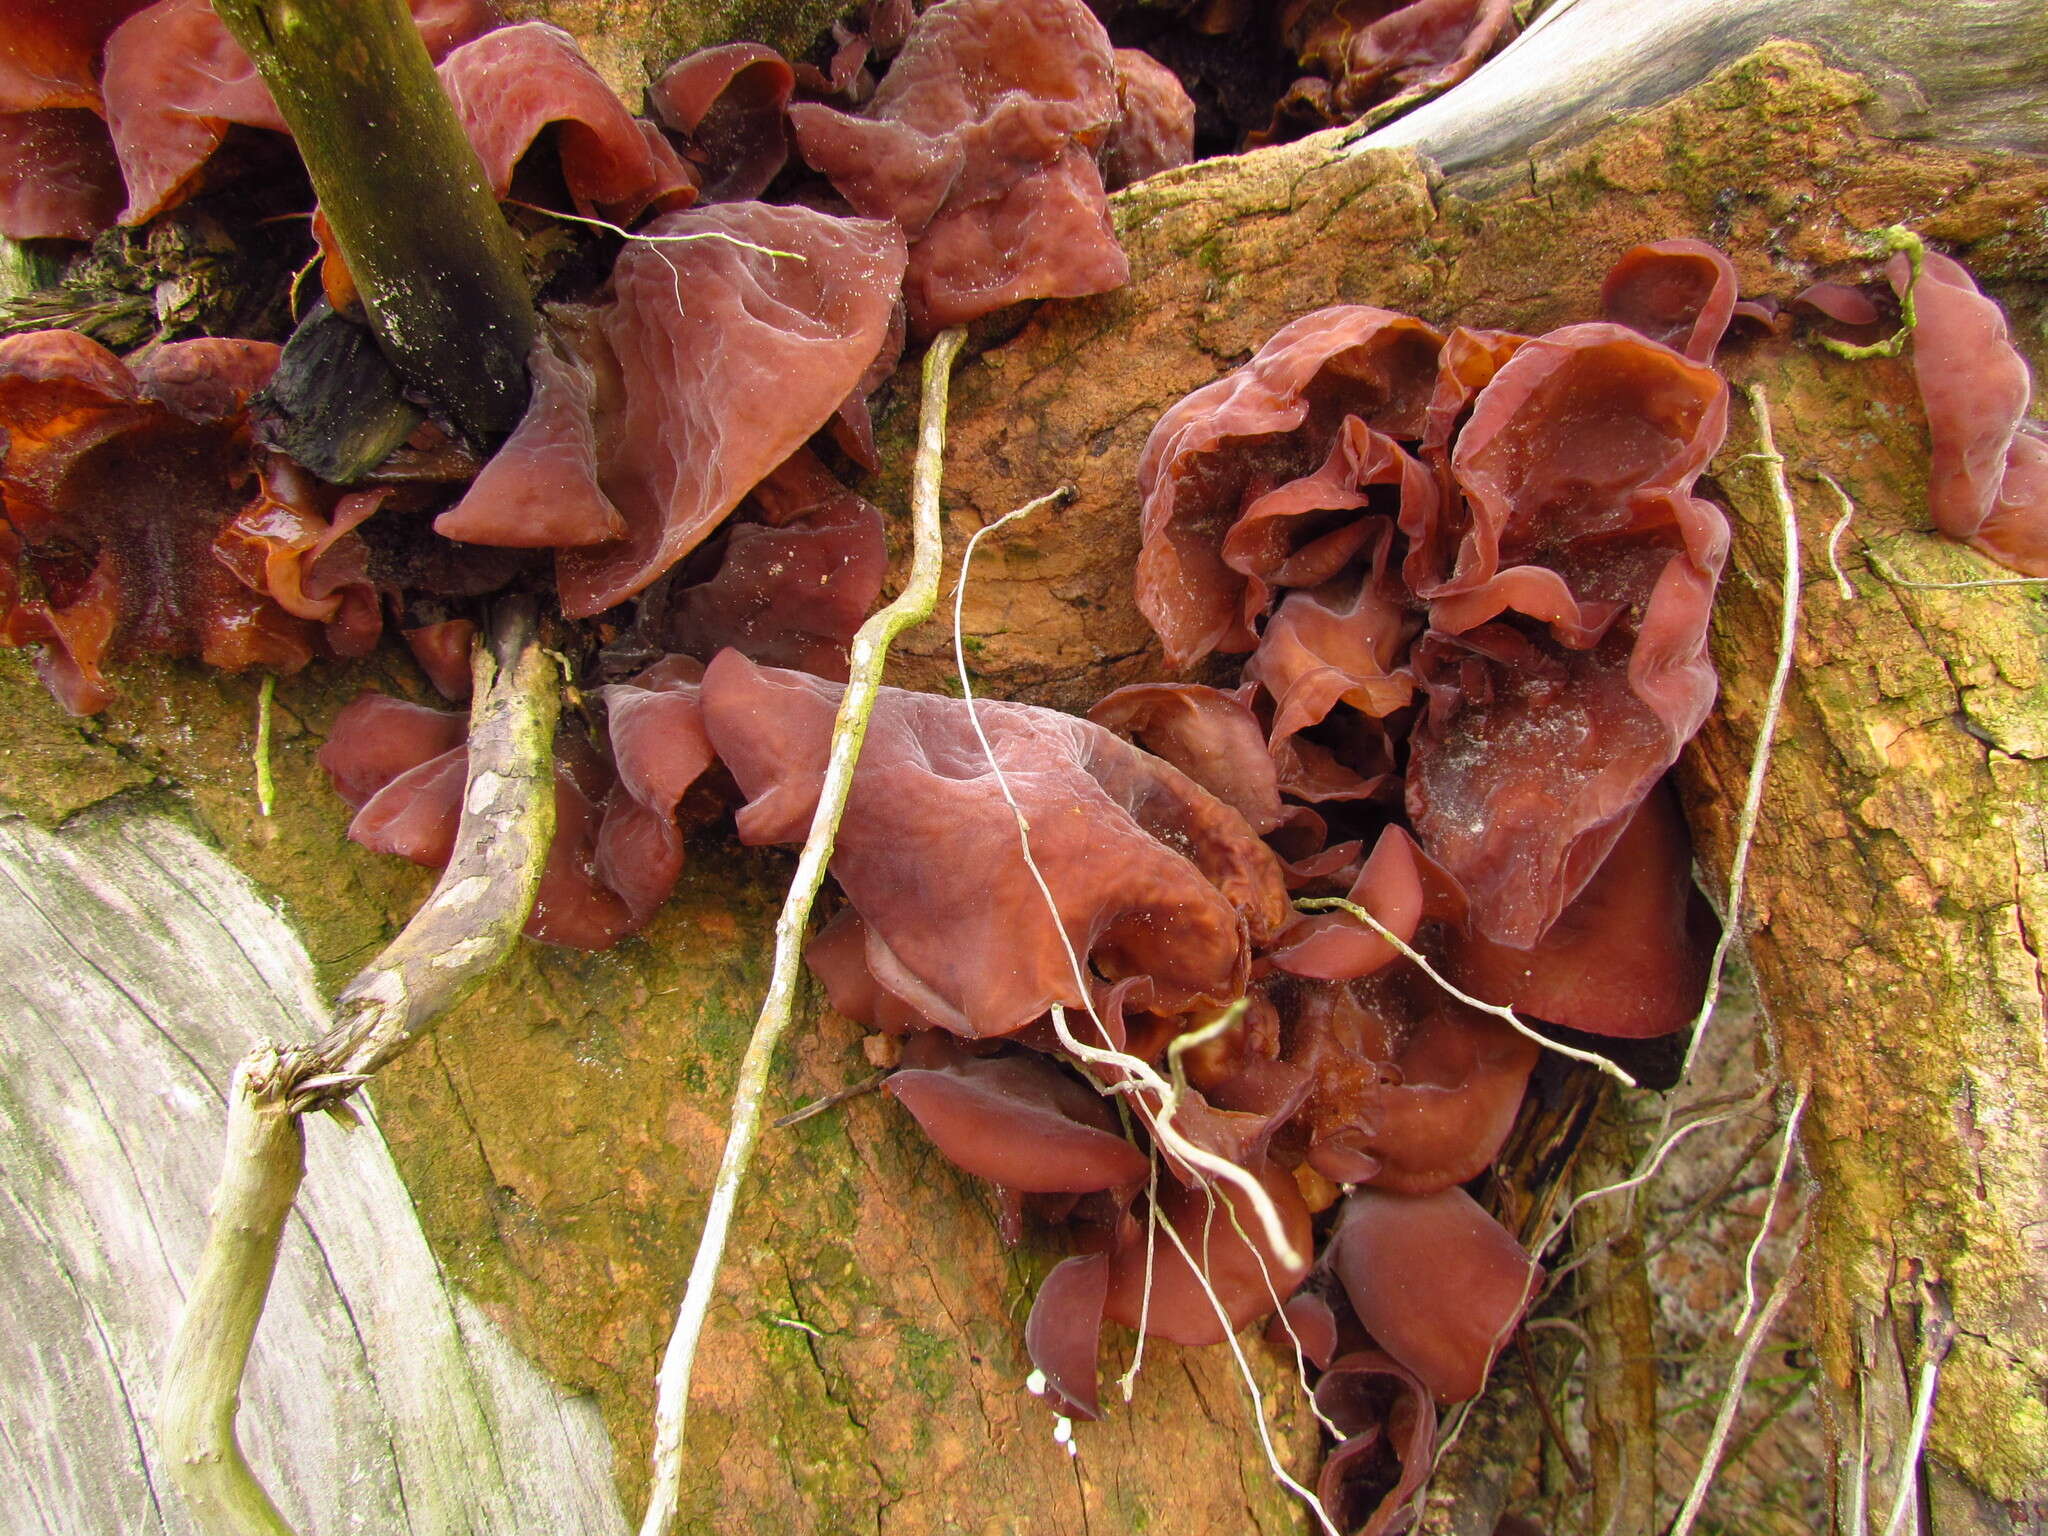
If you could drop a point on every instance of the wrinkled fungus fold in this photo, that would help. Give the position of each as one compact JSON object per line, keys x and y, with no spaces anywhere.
{"x":785,"y":309}
{"x":1988,"y":482}
{"x":929,"y":852}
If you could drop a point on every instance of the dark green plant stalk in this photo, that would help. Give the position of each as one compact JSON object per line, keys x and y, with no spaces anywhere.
{"x":435,"y":262}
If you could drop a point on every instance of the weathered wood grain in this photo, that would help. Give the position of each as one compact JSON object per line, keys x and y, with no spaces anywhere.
{"x":135,"y":966}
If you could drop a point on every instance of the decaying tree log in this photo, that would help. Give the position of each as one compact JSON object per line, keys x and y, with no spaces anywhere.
{"x":864,"y":1355}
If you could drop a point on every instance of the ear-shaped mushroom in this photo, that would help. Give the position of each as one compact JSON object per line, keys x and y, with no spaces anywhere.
{"x":58,"y":175}
{"x":1679,"y":292}
{"x":540,"y":489}
{"x":1335,"y":946}
{"x":510,"y":85}
{"x":1341,"y":643}
{"x":1063,"y":1335}
{"x":175,"y":81}
{"x":979,"y":144}
{"x":929,"y":851}
{"x":1229,"y":1246}
{"x":1388,"y":1420}
{"x":1988,"y":482}
{"x":120,"y":482}
{"x":728,"y":103}
{"x":1371,"y":51}
{"x":1209,"y":735}
{"x":1017,"y":1120}
{"x":1411,"y":1092}
{"x":1230,"y":440}
{"x":1627,"y":958}
{"x":1538,"y":742}
{"x":785,"y":308}
{"x":1436,"y":1282}
{"x":1155,"y":128}
{"x":790,"y":591}
{"x":655,"y":724}
{"x":616,"y":851}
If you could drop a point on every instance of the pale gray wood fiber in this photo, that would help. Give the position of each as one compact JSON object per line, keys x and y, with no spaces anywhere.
{"x":136,"y":965}
{"x":1969,"y":72}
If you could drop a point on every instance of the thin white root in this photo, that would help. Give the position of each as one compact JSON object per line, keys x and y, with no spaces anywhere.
{"x":1159,"y":1118}
{"x":849,"y":729}
{"x":1937,"y":1337}
{"x":1842,"y":582}
{"x":1244,"y":1370}
{"x":1731,"y":1400}
{"x":1766,"y":734}
{"x":1505,"y":1014}
{"x":1770,"y":1208}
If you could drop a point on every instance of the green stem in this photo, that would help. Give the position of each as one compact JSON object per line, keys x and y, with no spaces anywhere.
{"x":435,"y":262}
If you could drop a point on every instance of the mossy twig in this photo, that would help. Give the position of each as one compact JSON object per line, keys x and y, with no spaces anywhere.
{"x":266,"y":782}
{"x":870,"y":651}
{"x":466,"y":927}
{"x":437,"y":265}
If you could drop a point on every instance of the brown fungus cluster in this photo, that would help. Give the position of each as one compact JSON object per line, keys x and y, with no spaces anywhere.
{"x":1467,"y":571}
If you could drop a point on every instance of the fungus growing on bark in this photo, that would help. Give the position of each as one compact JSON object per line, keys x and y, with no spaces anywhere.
{"x":1988,"y":483}
{"x":1388,"y":1423}
{"x":139,"y":522}
{"x":980,"y":144}
{"x":1231,"y":442}
{"x":1016,"y":1120}
{"x":617,"y":849}
{"x":175,"y":82}
{"x":728,"y":103}
{"x":1436,"y":1282}
{"x":786,"y":309}
{"x":963,"y":936}
{"x":512,"y":84}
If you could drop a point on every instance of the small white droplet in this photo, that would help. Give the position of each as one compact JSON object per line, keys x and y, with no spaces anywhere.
{"x":1035,"y":1383}
{"x":1063,"y":1431}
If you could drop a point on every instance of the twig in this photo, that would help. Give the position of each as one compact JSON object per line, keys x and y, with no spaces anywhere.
{"x":1499,"y":1011}
{"x":461,"y":933}
{"x":1897,"y":580}
{"x":266,"y":786}
{"x":1842,"y":582}
{"x":1542,"y":1401}
{"x":830,"y":1101}
{"x":870,"y":651}
{"x":1937,"y":1337}
{"x":1896,"y":238}
{"x":195,"y":1417}
{"x":470,"y":921}
{"x":1731,"y":1400}
{"x":1770,"y":1208}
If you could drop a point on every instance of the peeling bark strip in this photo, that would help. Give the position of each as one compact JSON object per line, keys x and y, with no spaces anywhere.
{"x":466,"y":927}
{"x":434,"y":260}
